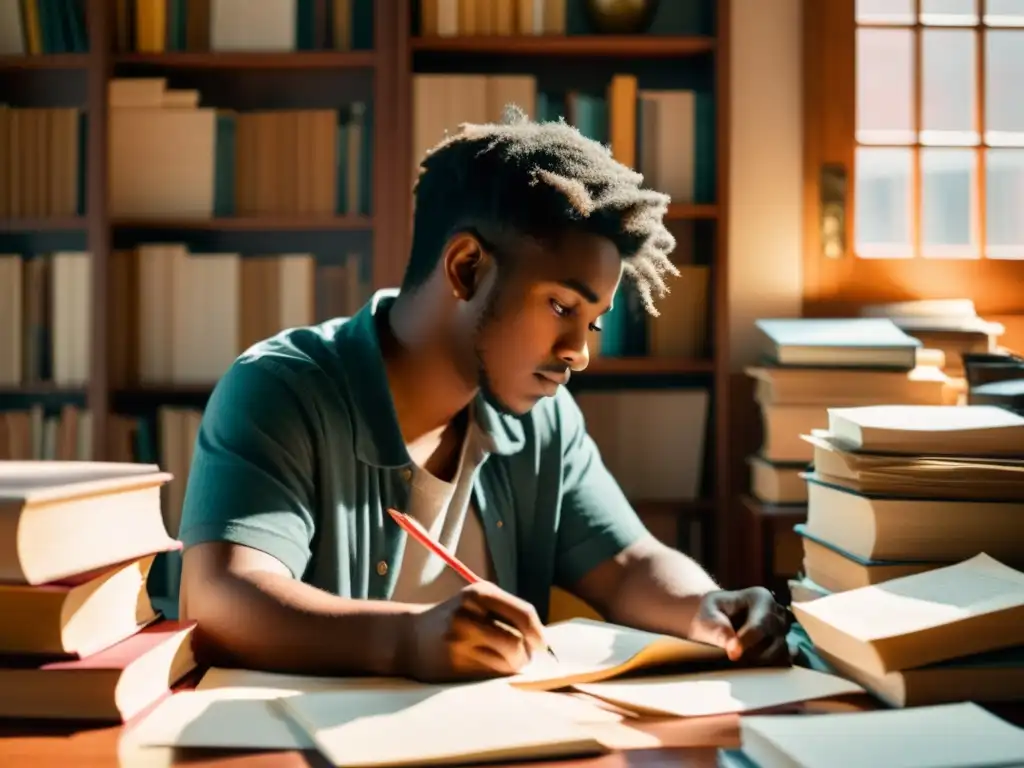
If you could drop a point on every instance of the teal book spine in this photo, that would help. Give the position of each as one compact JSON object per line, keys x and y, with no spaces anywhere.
{"x":224,"y":167}
{"x":366,"y":163}
{"x":305,"y":21}
{"x":362,"y":25}
{"x":341,"y":181}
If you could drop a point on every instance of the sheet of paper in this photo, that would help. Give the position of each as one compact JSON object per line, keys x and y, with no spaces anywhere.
{"x":448,"y":724}
{"x":223,"y":677}
{"x":583,"y":647}
{"x":720,"y":692}
{"x":232,"y":709}
{"x":226,"y":718}
{"x":944,"y":736}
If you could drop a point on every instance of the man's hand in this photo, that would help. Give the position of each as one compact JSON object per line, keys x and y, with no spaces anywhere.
{"x":748,"y":624}
{"x":481,"y":632}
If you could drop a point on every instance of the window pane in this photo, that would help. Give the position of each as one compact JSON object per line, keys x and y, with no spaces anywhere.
{"x":1004,"y":87}
{"x":949,"y":203}
{"x":1004,"y":201}
{"x":885,"y":11}
{"x":882,"y":203}
{"x":1004,"y":13}
{"x":948,"y":92}
{"x":885,"y":86}
{"x":949,"y":12}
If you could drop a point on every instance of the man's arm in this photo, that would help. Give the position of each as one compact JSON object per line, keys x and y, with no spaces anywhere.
{"x":247,"y":524}
{"x":608,"y":559}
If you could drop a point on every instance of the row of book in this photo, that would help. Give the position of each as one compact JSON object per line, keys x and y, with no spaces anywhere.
{"x":34,"y":27}
{"x":171,"y":158}
{"x":42,"y":156}
{"x":81,"y":639}
{"x":469,"y":18}
{"x":159,"y":26}
{"x":161,"y":301}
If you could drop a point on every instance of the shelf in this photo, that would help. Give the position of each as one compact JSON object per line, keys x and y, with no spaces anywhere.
{"x":55,"y":224}
{"x":647,"y":366}
{"x":42,"y":389}
{"x":254,"y":61}
{"x":691,"y":211}
{"x":45,"y":61}
{"x":633,"y":46}
{"x":268,"y":223}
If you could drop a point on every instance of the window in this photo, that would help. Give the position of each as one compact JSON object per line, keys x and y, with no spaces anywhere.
{"x":918,"y":105}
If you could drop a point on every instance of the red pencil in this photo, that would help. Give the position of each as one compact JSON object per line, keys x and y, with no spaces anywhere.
{"x":418,"y":532}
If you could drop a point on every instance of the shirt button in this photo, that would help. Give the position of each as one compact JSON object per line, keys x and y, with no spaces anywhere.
{"x":407,"y":474}
{"x":500,"y":523}
{"x":382,"y":568}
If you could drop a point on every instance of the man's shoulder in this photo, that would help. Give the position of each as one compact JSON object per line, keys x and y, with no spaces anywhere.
{"x":303,"y":359}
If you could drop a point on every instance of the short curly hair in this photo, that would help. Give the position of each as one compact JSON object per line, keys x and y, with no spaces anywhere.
{"x":538,"y":179}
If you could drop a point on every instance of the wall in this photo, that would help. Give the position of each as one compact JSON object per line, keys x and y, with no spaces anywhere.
{"x":765,"y":177}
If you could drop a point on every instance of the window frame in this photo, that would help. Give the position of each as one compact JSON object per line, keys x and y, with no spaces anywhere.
{"x":841,"y":286}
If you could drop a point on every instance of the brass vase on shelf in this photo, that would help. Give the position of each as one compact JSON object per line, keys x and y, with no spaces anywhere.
{"x":621,"y":17}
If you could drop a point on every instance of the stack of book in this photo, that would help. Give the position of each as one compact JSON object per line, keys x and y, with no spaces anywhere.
{"x":811,"y":365}
{"x":897,"y":490}
{"x":902,"y":502}
{"x":79,"y":637}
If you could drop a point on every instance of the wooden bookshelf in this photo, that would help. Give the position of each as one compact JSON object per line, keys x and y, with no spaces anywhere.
{"x":385,"y":77}
{"x":55,"y":224}
{"x":632,"y":46}
{"x":45,"y":61}
{"x":269,"y":223}
{"x":254,"y":61}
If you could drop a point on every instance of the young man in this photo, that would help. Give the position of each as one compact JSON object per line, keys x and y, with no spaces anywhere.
{"x":447,"y":402}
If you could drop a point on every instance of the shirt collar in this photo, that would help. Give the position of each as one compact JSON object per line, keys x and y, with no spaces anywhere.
{"x":378,"y":437}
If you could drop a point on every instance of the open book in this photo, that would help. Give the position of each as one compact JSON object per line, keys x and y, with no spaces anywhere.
{"x":590,"y":651}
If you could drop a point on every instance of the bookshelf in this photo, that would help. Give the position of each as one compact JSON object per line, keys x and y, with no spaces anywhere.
{"x":383,"y":73}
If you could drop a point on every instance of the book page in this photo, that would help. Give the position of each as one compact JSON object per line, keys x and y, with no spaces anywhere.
{"x":720,"y":692}
{"x":418,"y":727}
{"x":922,"y":601}
{"x":587,"y":650}
{"x":963,"y":735}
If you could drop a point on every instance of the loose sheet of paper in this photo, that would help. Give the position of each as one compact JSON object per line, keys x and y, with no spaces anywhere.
{"x":454,"y":724}
{"x":233,"y":709}
{"x":721,"y":692}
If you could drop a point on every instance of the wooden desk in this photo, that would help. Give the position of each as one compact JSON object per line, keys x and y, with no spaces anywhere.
{"x":685,"y":743}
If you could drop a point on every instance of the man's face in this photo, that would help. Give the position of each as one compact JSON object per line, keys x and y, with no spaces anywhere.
{"x":536,"y":321}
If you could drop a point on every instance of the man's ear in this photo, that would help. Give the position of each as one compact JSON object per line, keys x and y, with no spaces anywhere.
{"x":462,"y":259}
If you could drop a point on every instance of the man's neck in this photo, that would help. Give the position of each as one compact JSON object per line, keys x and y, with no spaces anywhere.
{"x":426,"y":388}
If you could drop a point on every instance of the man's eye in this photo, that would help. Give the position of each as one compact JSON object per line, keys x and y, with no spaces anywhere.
{"x":560,"y":310}
{"x":595,"y":328}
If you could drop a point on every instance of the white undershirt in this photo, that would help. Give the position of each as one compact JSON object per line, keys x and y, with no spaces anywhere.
{"x":446,"y":510}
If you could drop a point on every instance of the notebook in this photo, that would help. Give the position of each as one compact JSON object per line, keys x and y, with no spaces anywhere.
{"x":588,"y":651}
{"x":437,"y":725}
{"x":944,"y":736}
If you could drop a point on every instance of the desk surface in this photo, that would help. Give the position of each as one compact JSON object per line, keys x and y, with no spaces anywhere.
{"x":685,"y":743}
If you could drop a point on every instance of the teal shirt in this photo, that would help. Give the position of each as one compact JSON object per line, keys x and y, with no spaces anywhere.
{"x":300,"y":455}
